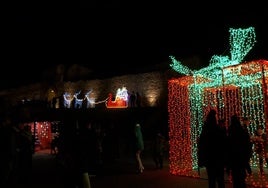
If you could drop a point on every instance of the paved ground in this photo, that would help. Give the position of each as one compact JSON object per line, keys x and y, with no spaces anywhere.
{"x":120,"y":174}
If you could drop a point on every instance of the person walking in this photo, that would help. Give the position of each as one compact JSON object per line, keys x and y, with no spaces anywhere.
{"x":266,"y":143}
{"x":8,"y":144}
{"x":132,"y":99}
{"x":25,"y":154}
{"x":159,"y":146}
{"x":138,"y":99}
{"x":245,"y":125}
{"x":139,"y":147}
{"x":239,"y":152}
{"x":212,"y":150}
{"x":259,"y":142}
{"x":84,"y":151}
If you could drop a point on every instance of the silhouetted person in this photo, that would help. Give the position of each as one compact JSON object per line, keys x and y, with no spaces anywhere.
{"x":259,"y":141}
{"x":239,"y":152}
{"x":76,"y":155}
{"x":54,"y":145}
{"x":84,"y":152}
{"x":245,"y":125}
{"x":132,"y":99}
{"x":110,"y":144}
{"x":68,"y":153}
{"x":138,"y":99}
{"x":100,"y":136}
{"x":25,"y":153}
{"x":212,"y":150}
{"x":266,"y":143}
{"x":92,"y":148}
{"x":159,"y":145}
{"x":8,"y":145}
{"x":54,"y":102}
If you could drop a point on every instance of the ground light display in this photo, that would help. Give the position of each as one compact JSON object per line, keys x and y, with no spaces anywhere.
{"x":228,"y":85}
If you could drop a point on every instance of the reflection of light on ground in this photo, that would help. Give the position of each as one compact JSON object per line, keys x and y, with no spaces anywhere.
{"x":43,"y":152}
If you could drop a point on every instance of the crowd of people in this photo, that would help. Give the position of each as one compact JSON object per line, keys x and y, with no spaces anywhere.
{"x":229,"y":149}
{"x":81,"y":148}
{"x":90,"y":146}
{"x":134,"y":99}
{"x":16,"y":142}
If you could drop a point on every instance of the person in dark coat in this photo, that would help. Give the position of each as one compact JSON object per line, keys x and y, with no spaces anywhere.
{"x":25,"y":147}
{"x":8,"y":145}
{"x":259,"y":141}
{"x":245,"y":125}
{"x":159,"y":146}
{"x":212,"y":150}
{"x":239,"y":152}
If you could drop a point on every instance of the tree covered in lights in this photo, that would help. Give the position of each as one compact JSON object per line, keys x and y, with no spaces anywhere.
{"x":227,"y":85}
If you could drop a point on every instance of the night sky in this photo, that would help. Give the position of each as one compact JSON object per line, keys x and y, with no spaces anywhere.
{"x":108,"y":39}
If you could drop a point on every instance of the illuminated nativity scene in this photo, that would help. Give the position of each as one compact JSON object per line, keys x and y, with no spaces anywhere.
{"x":228,"y":85}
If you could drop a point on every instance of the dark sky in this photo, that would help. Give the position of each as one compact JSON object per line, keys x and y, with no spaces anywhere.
{"x":108,"y":39}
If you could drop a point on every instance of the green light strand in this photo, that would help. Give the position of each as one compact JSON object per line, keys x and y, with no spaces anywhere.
{"x":179,"y":67}
{"x":241,"y":41}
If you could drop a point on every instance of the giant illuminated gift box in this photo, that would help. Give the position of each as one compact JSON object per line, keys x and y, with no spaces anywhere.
{"x":225,"y":85}
{"x":240,"y":89}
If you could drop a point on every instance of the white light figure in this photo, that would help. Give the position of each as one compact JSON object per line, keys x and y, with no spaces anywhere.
{"x":122,"y":94}
{"x":68,"y":98}
{"x":90,"y":100}
{"x":78,"y":103}
{"x":120,"y":100}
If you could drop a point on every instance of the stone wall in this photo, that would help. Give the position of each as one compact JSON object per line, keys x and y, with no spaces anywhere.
{"x":152,"y":87}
